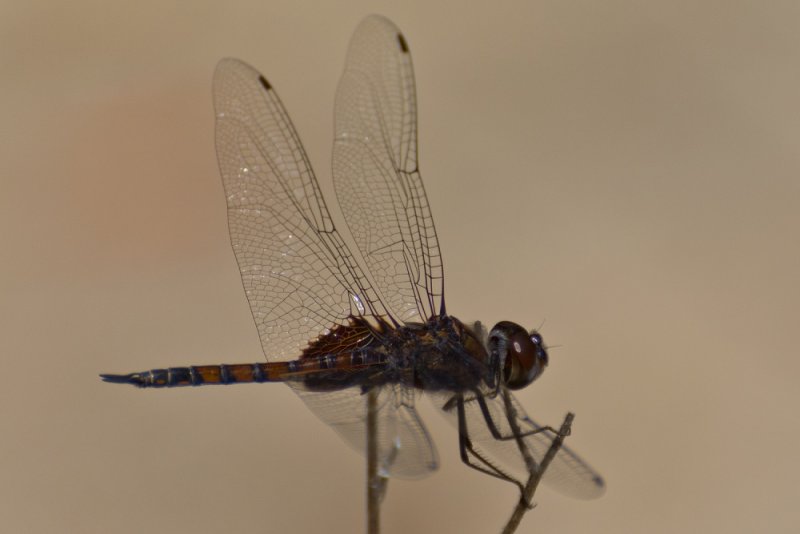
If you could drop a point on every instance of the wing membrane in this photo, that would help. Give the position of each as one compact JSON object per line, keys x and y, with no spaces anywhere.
{"x":300,"y":278}
{"x":298,"y":274}
{"x":376,"y":173}
{"x":405,"y":449}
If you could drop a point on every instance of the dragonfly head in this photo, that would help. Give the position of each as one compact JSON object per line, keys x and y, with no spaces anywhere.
{"x":521,"y":356}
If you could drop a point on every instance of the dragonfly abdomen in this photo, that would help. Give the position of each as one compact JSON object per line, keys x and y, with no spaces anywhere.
{"x":202,"y":375}
{"x":325,"y":371}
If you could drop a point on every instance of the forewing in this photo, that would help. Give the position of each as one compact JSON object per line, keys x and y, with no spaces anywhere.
{"x":405,"y":450}
{"x":567,"y":473}
{"x":298,"y":274}
{"x":376,"y":173}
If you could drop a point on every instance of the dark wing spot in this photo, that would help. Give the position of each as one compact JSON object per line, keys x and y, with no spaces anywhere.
{"x":265,"y":83}
{"x":403,"y":44}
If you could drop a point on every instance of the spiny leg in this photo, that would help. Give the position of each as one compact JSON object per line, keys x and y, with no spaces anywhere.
{"x":496,"y":434}
{"x":467,"y":451}
{"x":522,"y":445}
{"x":516,"y":433}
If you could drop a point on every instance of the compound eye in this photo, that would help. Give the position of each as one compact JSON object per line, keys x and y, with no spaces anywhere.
{"x":525,"y":354}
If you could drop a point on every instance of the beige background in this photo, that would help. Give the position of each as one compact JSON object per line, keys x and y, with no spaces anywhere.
{"x":626,"y":171}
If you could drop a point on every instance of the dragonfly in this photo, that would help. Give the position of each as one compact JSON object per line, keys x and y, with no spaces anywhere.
{"x":337,"y":322}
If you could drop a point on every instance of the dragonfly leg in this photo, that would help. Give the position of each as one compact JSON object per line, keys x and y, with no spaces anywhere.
{"x":496,"y":434}
{"x":469,"y":454}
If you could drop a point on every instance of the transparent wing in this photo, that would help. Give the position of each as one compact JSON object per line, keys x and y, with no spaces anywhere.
{"x":376,"y":174}
{"x":567,"y":473}
{"x":300,"y":278}
{"x":405,"y":449}
{"x":298,"y":274}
